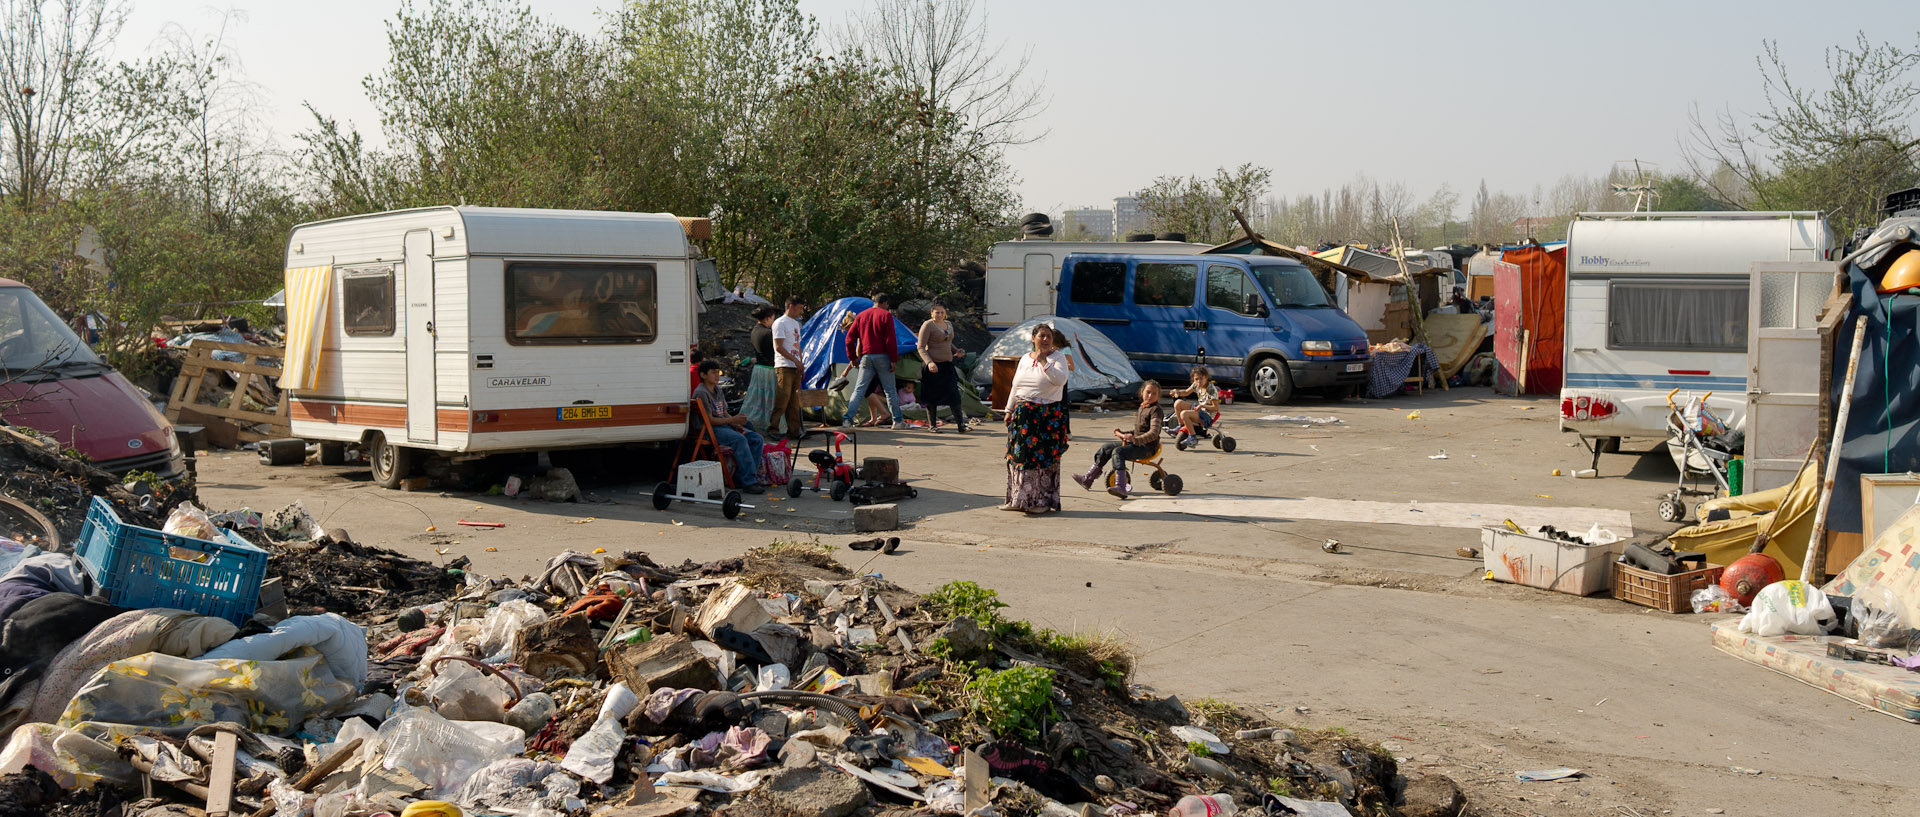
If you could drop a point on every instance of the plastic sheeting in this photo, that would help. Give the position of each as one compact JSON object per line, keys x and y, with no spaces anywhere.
{"x":1100,"y":368}
{"x":823,"y":339}
{"x":1883,"y":424}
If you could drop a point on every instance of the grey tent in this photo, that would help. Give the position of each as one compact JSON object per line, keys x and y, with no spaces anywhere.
{"x":1100,"y":368}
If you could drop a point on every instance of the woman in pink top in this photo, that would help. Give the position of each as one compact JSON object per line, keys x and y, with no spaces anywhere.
{"x":1037,"y":428}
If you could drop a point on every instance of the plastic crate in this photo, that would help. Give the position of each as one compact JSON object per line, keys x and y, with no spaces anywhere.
{"x":141,"y":568}
{"x":1673,"y":594}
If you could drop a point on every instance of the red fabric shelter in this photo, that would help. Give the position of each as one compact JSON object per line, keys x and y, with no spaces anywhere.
{"x":1542,"y":314}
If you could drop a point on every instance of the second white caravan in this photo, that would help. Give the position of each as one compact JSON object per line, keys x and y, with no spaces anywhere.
{"x":1658,"y":302}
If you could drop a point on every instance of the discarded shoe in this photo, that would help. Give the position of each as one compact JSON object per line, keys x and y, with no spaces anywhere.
{"x":867,"y":544}
{"x":893,"y":544}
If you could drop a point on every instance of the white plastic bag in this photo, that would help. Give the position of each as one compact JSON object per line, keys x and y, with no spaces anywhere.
{"x":1597,"y":535}
{"x":500,"y":630}
{"x":443,"y":754}
{"x":189,"y":521}
{"x":1788,"y":607}
{"x":593,"y":754}
{"x":1715,"y":599}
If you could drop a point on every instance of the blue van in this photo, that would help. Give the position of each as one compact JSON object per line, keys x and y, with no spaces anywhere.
{"x":1262,"y":322}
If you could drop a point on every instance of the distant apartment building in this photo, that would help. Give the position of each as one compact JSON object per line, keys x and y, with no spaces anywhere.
{"x":1098,"y":223}
{"x":1129,"y":218}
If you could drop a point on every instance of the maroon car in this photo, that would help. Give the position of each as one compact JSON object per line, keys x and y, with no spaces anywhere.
{"x":51,"y":382}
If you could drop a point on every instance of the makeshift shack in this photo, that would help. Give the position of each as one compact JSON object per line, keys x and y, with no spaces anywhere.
{"x":1883,"y":422}
{"x":1530,"y":305}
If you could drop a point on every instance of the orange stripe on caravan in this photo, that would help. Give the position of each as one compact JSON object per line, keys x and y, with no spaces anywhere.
{"x":547,"y":419}
{"x":503,"y":420}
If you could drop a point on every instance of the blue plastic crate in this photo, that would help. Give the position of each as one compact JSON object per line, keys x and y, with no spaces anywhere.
{"x":142,"y":568}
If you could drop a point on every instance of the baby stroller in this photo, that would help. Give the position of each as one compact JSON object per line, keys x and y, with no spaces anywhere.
{"x":1701,"y":446}
{"x":1178,"y":432}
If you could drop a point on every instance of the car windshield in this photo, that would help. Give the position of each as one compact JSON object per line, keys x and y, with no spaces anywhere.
{"x":32,"y":338}
{"x":1291,"y":286}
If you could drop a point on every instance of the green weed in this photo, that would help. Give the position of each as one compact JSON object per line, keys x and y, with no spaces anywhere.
{"x":1013,"y":703}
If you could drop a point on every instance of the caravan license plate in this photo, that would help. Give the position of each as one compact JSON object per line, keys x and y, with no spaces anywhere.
{"x":1356,"y":367}
{"x":586,"y":412}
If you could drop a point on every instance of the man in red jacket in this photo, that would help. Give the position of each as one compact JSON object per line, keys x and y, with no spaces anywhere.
{"x":872,"y":347}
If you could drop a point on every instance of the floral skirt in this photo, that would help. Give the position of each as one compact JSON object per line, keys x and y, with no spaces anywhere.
{"x":1036,"y":438}
{"x":757,"y":404}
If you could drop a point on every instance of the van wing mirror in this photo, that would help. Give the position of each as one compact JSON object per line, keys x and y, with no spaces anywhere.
{"x":1255,"y":305}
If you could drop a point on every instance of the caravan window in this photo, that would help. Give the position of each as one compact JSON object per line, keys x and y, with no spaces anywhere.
{"x":1677,"y":316}
{"x":550,"y":303}
{"x":1161,"y":284}
{"x":366,"y":302}
{"x":1098,"y":282}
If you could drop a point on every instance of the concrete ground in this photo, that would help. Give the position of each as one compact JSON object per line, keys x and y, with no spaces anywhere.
{"x":1227,"y":593}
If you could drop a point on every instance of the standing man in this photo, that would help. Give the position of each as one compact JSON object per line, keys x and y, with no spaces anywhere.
{"x":787,"y":371}
{"x":731,"y":430}
{"x":872,"y":346}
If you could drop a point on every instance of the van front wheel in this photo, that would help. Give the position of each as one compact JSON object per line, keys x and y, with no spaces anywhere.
{"x":391,"y":463}
{"x":1271,"y":382}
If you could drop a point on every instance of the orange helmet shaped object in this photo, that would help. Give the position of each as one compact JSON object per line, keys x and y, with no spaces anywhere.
{"x":1903,"y":274}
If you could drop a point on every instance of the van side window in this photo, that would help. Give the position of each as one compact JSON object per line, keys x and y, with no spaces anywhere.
{"x":1677,"y":316}
{"x":1161,"y":284}
{"x":1228,"y":288}
{"x":1098,"y":282}
{"x":366,"y":302}
{"x":556,"y":303}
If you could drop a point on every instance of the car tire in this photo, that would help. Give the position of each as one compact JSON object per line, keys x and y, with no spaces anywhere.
{"x":391,"y":464}
{"x":1270,"y":381}
{"x":333,"y":453}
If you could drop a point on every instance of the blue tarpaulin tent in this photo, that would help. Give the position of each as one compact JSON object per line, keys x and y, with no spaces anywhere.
{"x":1883,"y":424}
{"x":823,"y":339}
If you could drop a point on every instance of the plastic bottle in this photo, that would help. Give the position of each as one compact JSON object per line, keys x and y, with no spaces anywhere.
{"x":1207,"y":805}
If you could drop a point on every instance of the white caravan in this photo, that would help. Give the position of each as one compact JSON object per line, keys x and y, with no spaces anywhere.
{"x":1022,"y":275}
{"x":1658,"y":302}
{"x":466,"y":331}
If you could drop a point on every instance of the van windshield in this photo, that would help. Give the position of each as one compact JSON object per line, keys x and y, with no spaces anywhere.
{"x":32,"y":338}
{"x":1291,"y":286}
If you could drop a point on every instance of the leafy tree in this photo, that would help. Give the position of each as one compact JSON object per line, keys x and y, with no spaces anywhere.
{"x":1203,"y":208}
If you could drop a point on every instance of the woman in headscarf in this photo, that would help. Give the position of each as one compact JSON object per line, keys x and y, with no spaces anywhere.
{"x":1037,"y":428}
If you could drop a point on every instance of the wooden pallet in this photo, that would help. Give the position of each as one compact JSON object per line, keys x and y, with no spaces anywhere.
{"x":189,"y":386}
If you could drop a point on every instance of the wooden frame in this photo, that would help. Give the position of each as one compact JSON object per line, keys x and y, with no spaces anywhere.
{"x":188,"y":387}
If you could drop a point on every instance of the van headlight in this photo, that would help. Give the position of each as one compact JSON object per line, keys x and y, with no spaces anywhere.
{"x":1317,"y":348}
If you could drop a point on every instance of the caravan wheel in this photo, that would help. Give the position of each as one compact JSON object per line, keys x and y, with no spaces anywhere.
{"x":391,"y":463}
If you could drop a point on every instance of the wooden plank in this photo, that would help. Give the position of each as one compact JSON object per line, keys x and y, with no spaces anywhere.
{"x":220,"y":778}
{"x":204,"y":358}
{"x":243,"y":415}
{"x":243,"y":348}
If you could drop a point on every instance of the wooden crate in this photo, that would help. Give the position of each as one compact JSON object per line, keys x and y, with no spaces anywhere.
{"x":1673,"y":594}
{"x":186,"y":401}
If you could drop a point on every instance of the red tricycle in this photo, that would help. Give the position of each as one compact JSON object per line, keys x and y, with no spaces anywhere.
{"x":833,"y":473}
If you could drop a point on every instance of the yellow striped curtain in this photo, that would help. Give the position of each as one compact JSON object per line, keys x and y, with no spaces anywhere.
{"x":308,"y":290}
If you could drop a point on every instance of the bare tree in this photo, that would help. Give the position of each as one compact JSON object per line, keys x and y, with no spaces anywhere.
{"x":1837,"y":149}
{"x":51,"y":52}
{"x":941,"y":49}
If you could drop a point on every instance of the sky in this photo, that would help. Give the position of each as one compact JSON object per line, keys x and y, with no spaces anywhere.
{"x":1516,"y":94}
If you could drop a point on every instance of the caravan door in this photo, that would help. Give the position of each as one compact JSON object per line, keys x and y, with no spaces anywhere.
{"x":1783,"y":368}
{"x":1040,"y":269}
{"x":422,"y":394}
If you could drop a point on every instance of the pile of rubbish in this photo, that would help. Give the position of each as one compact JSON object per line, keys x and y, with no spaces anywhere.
{"x":56,"y":486}
{"x":775,"y":682}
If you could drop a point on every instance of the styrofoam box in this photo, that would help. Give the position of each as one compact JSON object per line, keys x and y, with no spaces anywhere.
{"x":701,"y":479}
{"x":1536,"y":561}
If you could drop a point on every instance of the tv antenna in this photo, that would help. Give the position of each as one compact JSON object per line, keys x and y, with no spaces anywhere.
{"x":1641,"y":189}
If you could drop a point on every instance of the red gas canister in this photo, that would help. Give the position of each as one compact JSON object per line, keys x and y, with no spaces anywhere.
{"x":1748,"y":574}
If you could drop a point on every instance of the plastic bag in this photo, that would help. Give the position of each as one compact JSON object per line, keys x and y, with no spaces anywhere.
{"x":593,"y":754}
{"x":1879,"y":620}
{"x":463,"y":693}
{"x":1788,"y":607}
{"x":443,"y":754}
{"x":774,"y":468}
{"x":1715,"y":599}
{"x":189,"y":521}
{"x":1597,"y":535}
{"x":500,"y":630}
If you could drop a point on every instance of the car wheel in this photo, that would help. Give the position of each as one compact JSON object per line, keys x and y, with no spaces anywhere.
{"x":391,"y":463}
{"x":333,"y":453}
{"x":1271,"y":382}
